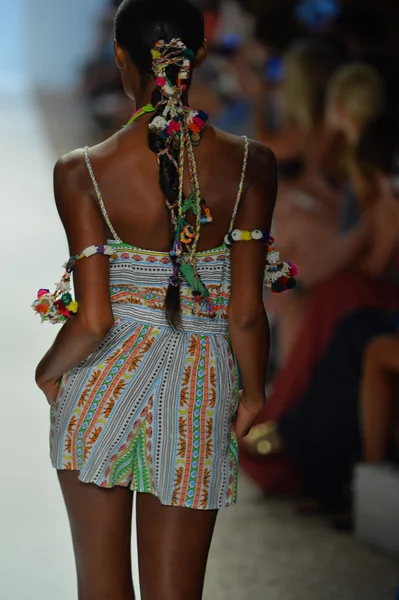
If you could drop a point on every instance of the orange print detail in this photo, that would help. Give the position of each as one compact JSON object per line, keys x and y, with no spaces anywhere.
{"x":192,"y":346}
{"x":93,"y":379}
{"x":203,"y":416}
{"x":209,"y":448}
{"x":182,"y":448}
{"x":72,"y":424}
{"x":183,"y":396}
{"x":193,"y":389}
{"x":95,"y":435}
{"x":119,"y":388}
{"x":178,"y":477}
{"x":94,"y":391}
{"x":68,"y":444}
{"x":126,"y":346}
{"x":212,"y":398}
{"x":204,"y":500}
{"x":83,"y":397}
{"x":186,"y":376}
{"x":109,"y":408}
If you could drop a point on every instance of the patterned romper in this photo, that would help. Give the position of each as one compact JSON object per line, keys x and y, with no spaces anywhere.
{"x":152,"y":408}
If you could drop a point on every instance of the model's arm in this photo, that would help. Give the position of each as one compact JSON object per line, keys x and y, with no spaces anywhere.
{"x":248,"y":323}
{"x":84,"y":227}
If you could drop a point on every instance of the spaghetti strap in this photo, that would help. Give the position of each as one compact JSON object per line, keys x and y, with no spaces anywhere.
{"x":99,"y":196}
{"x":241,"y":186}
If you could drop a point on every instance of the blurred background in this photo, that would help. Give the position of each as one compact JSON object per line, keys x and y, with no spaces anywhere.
{"x":317,"y":81}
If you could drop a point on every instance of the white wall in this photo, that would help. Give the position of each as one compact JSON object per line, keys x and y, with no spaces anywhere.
{"x":12,"y":44}
{"x":60,"y":36}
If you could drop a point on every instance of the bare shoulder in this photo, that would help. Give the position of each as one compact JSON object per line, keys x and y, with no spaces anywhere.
{"x":262,"y":157}
{"x":262,"y":166}
{"x":72,"y":166}
{"x":262,"y":162}
{"x":69,"y":169}
{"x":72,"y":182}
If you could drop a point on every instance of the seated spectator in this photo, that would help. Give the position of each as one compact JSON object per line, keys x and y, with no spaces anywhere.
{"x":344,"y":293}
{"x":318,"y":240}
{"x":322,"y":434}
{"x":308,"y":65}
{"x":355,"y":96}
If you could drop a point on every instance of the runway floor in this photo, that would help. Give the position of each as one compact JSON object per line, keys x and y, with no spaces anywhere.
{"x":261,"y":550}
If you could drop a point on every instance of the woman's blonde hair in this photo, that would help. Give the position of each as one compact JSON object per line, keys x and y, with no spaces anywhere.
{"x":359,"y":89}
{"x":309,"y":65}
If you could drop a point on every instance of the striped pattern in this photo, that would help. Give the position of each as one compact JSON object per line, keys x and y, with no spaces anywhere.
{"x":152,"y":408}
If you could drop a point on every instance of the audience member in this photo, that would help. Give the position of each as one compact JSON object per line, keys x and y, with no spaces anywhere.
{"x":297,"y":386}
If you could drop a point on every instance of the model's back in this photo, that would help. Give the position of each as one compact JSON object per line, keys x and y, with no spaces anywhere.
{"x":168,"y":226}
{"x":128,"y":178}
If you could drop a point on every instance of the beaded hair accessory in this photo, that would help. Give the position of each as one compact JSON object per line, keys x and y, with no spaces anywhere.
{"x":59,"y":306}
{"x":181,"y":128}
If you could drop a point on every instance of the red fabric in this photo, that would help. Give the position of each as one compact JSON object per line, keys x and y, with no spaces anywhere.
{"x":211,"y":19}
{"x":344,"y":293}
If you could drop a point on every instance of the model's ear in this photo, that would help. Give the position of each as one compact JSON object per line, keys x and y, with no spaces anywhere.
{"x":201,"y":54}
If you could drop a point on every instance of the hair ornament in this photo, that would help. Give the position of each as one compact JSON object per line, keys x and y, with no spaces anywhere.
{"x":180,"y":128}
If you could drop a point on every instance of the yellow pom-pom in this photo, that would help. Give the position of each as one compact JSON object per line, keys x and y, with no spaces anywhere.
{"x":155,"y":53}
{"x":73,"y":307}
{"x":246,"y":236}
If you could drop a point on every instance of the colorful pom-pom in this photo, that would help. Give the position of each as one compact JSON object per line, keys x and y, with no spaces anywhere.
{"x":173,"y":127}
{"x":66,"y":299}
{"x":73,"y":307}
{"x":203,"y":116}
{"x":293,"y":270}
{"x":228,"y":240}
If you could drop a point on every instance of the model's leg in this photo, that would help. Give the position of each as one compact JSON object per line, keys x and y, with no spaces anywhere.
{"x":101,"y":530}
{"x":173,"y":547}
{"x":380,"y":365}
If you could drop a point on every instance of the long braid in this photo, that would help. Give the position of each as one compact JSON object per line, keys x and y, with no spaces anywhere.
{"x":169,"y":183}
{"x":173,"y":131}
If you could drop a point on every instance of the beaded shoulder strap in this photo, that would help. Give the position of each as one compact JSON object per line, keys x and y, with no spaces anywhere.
{"x":99,"y":195}
{"x":241,"y":186}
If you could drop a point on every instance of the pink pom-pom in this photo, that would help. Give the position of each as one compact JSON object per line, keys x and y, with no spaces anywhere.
{"x":173,"y":127}
{"x":160,"y":81}
{"x":42,"y":293}
{"x":199,"y":122}
{"x":293,"y":270}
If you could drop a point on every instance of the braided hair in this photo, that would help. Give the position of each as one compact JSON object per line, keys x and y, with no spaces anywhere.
{"x":139,"y":25}
{"x":169,"y":182}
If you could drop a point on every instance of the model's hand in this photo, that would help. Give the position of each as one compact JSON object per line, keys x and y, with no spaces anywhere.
{"x":50,"y":390}
{"x":248,"y":410}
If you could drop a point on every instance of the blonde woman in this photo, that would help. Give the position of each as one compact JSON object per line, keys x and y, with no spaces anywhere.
{"x":312,"y":234}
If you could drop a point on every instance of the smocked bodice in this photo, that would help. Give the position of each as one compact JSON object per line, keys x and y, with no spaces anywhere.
{"x":138,"y":285}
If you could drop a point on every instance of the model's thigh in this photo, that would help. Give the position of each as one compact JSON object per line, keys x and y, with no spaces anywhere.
{"x":100,"y":522}
{"x":173,"y":548}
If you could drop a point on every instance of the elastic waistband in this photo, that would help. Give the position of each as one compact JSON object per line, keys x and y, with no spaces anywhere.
{"x":194,"y":324}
